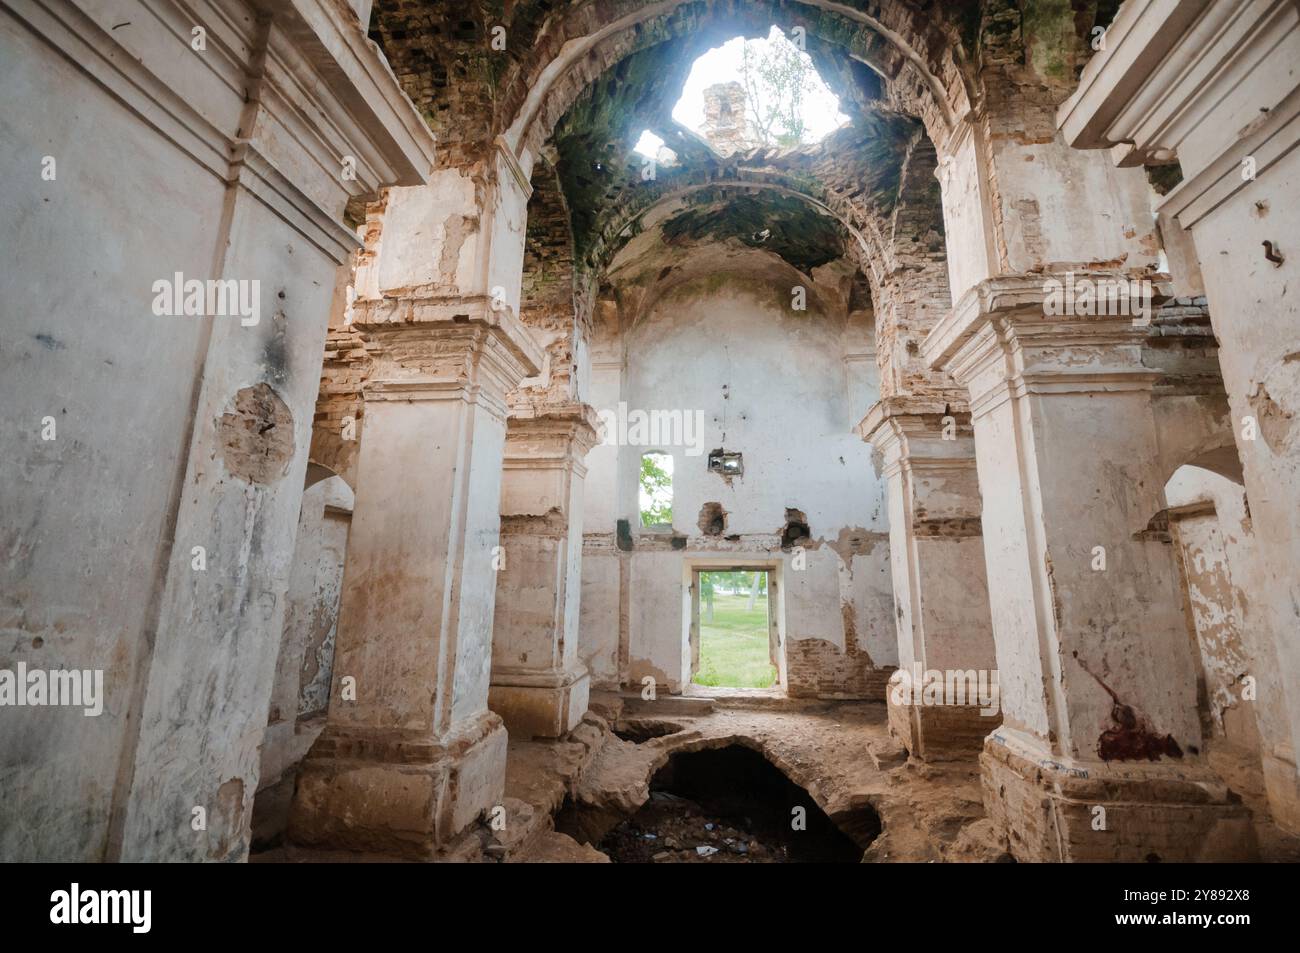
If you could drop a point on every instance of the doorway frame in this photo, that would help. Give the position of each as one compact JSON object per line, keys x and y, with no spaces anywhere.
{"x":691,"y":569}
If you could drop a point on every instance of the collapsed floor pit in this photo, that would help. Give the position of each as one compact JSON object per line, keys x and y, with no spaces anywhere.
{"x":731,"y":805}
{"x":640,"y":730}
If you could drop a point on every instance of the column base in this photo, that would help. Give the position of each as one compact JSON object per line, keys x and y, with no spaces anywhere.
{"x":1161,"y":811}
{"x":397,"y":792}
{"x":540,"y":704}
{"x":940,"y":732}
{"x":1283,"y":789}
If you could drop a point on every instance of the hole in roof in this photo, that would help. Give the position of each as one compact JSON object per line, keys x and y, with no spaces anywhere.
{"x":784,"y":100}
{"x":652,"y":147}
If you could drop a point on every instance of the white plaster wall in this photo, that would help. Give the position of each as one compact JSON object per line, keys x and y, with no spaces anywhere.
{"x":599,"y":489}
{"x":318,"y":660}
{"x":868,"y":578}
{"x":770,"y":385}
{"x":1136,"y":600}
{"x":1217,"y":618}
{"x":1056,"y":208}
{"x":84,"y":529}
{"x":656,"y":636}
{"x":599,"y":613}
{"x":161,"y":451}
{"x":862,"y":377}
{"x":785,"y":407}
{"x":965,"y":220}
{"x":312,"y":602}
{"x":206,"y":700}
{"x":1010,"y":570}
{"x":1063,"y":207}
{"x":598,"y":622}
{"x":430,"y":236}
{"x":509,"y":222}
{"x":1256,"y":317}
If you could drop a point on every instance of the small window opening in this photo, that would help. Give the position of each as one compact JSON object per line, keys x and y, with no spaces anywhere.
{"x":728,"y":464}
{"x":656,"y":497}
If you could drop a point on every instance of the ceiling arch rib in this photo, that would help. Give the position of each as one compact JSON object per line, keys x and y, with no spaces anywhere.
{"x":867,"y":244}
{"x":567,"y":59}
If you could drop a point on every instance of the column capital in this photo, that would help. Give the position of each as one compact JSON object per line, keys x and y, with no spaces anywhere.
{"x":1003,"y":338}
{"x":911,"y":432}
{"x":550,"y":435}
{"x":431,"y":348}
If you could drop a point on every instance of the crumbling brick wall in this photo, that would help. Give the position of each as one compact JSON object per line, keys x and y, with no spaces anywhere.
{"x":547,"y":297}
{"x":816,"y":668}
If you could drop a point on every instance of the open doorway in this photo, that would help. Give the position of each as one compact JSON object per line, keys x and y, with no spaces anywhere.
{"x":734,"y":642}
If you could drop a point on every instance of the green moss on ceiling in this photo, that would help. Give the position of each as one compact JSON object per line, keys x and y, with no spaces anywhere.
{"x":601,"y":174}
{"x":967,"y":14}
{"x":779,"y":223}
{"x":595,"y":138}
{"x":1048,"y":30}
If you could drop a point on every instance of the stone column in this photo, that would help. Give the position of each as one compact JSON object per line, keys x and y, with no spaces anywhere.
{"x":539,"y":686}
{"x":411,"y":755}
{"x":1097,"y":758}
{"x":1221,"y":69}
{"x":940,"y":593}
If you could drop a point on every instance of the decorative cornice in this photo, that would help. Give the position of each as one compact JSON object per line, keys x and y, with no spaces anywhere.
{"x":907,"y":405}
{"x":443,"y":360}
{"x":261,"y":179}
{"x":1007,"y":360}
{"x":1218,"y":182}
{"x":365,"y":86}
{"x":555,"y":435}
{"x":324,"y":91}
{"x":1138,"y":43}
{"x":1002,"y":295}
{"x":1021,"y":299}
{"x":1174,"y":73}
{"x":909,"y":434}
{"x":380,"y":317}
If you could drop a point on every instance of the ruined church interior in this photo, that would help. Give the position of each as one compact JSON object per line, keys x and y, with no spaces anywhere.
{"x":684,"y":431}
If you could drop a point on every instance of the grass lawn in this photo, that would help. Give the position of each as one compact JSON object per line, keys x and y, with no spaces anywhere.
{"x":733,"y":647}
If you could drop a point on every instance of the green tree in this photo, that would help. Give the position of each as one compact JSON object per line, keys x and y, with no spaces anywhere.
{"x":706,"y":594}
{"x":656,"y":489}
{"x":776,"y":75}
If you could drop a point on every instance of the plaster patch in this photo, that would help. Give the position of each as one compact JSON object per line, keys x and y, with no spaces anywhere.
{"x":713,"y":519}
{"x":1274,"y":403}
{"x":455,"y":229}
{"x":255,"y":439}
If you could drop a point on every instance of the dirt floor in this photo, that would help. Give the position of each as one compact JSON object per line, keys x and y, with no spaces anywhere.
{"x":648,"y":782}
{"x":840,"y":753}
